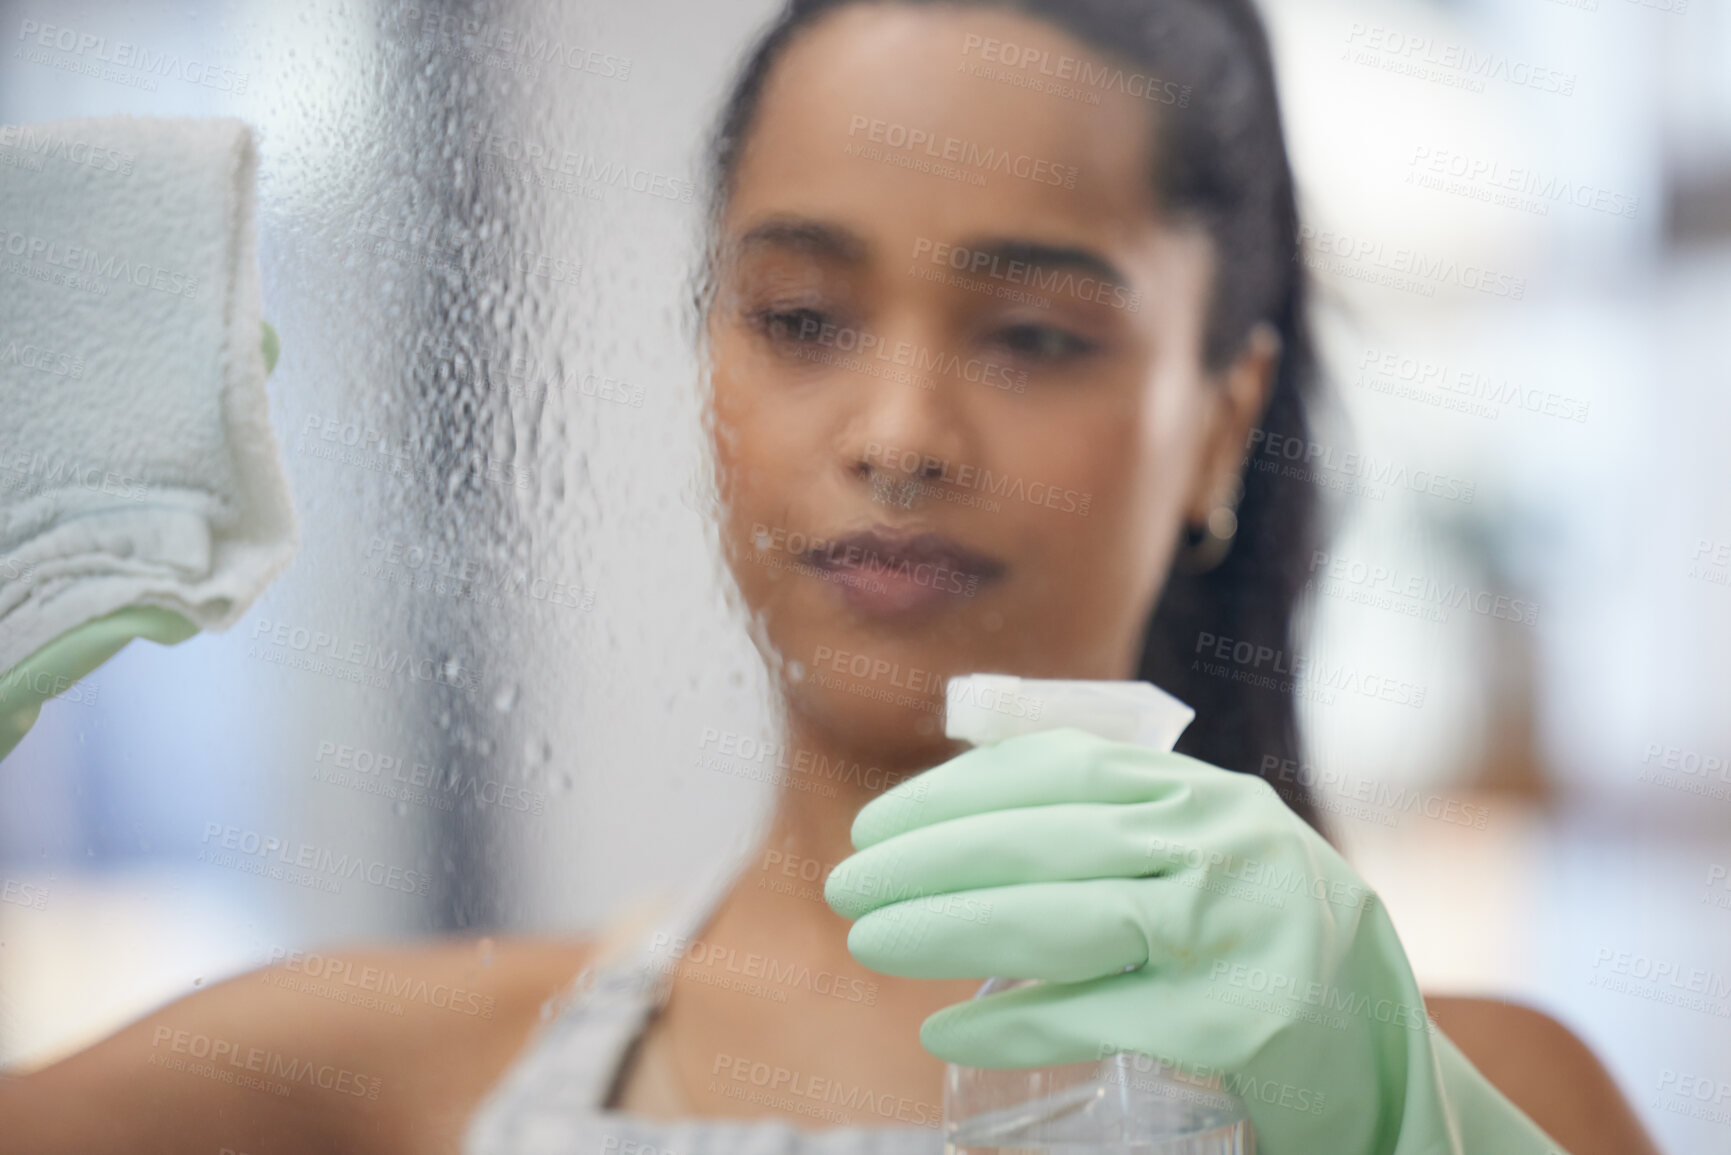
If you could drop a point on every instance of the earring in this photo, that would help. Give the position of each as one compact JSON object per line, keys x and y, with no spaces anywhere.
{"x":1206,"y":546}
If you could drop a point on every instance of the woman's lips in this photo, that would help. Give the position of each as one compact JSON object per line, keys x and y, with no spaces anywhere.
{"x":885,"y":573}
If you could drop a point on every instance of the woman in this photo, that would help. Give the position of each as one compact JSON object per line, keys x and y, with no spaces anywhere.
{"x":997,"y":294}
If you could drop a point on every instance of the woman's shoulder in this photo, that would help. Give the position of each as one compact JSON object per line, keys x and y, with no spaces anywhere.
{"x":433,"y":1024}
{"x":1546,"y":1070}
{"x":379,"y":1050}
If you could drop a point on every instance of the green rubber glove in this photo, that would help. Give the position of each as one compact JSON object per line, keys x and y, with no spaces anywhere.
{"x":1260,"y":955}
{"x":57,"y":666}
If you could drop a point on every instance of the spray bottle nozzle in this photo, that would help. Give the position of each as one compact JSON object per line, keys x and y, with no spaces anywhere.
{"x":983,"y":708}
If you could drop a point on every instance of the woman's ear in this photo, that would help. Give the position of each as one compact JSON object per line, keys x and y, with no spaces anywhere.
{"x":1238,"y":395}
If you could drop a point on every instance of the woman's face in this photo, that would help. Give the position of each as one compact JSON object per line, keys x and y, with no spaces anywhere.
{"x":959,"y":405}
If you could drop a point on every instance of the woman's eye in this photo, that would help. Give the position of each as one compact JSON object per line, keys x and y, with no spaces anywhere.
{"x":1044,"y":342}
{"x":800,"y":324}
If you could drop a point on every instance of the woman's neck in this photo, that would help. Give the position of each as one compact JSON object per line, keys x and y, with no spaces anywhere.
{"x":774,"y":922}
{"x":778,"y":896}
{"x":825,"y":783}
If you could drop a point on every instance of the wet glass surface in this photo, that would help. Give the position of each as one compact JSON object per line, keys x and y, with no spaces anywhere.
{"x":505,"y":687}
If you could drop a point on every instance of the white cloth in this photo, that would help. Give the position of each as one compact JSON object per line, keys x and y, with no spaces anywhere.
{"x":137,"y":461}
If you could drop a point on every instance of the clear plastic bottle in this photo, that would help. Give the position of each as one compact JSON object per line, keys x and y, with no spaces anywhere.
{"x":1124,"y":1104}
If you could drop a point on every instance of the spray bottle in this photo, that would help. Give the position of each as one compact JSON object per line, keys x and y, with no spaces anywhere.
{"x":1123,"y":1104}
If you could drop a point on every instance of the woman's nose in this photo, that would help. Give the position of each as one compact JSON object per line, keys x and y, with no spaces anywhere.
{"x":909,"y":426}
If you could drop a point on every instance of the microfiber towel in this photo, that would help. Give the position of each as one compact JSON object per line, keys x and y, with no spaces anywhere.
{"x":137,"y":461}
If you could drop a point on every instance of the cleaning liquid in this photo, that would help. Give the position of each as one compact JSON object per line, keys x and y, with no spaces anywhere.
{"x":1126,"y":1103}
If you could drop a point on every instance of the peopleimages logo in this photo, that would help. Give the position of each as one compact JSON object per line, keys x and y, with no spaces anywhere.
{"x":1058,"y":282}
{"x":541,"y":159}
{"x":1690,"y":771}
{"x":1384,"y":802}
{"x":439,"y":242}
{"x":94,"y":264}
{"x":525,"y":47}
{"x":929,"y":470}
{"x":362,"y":655}
{"x":798,"y":760}
{"x":34,"y":473}
{"x":1711,"y":561}
{"x":34,"y":142}
{"x":33,"y":896}
{"x":955,"y":150}
{"x":1451,"y":63}
{"x":45,"y":685}
{"x":42,"y":359}
{"x":1511,"y":186}
{"x":1386,"y":587}
{"x":1305,"y":677}
{"x":872,"y":669}
{"x":281,"y":1070}
{"x":1330,"y":997}
{"x":394,"y":776}
{"x":825,"y":1098}
{"x":1312,"y":460}
{"x":344,"y":973}
{"x":305,"y":863}
{"x":1696,"y":1096}
{"x":1662,"y":980}
{"x":1460,"y":389}
{"x":1084,"y":73}
{"x":752,"y":966}
{"x":1366,"y":259}
{"x":860,"y":346}
{"x":92,"y":51}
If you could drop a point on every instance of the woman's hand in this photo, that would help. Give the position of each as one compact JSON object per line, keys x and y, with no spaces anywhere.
{"x":1259,"y":954}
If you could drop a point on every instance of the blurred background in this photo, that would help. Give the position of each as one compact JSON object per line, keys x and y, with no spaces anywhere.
{"x":1518,"y":213}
